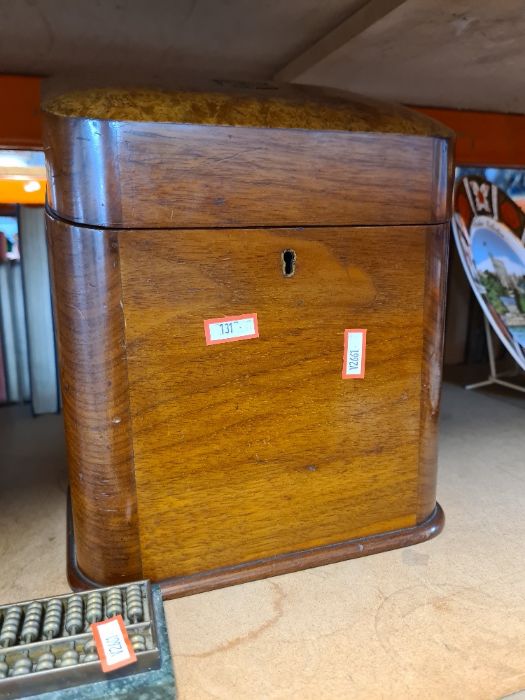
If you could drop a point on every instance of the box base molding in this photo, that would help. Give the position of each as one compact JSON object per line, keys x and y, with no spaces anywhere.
{"x":178,"y":587}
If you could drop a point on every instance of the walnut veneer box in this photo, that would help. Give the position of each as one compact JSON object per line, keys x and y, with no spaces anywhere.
{"x":313,"y":216}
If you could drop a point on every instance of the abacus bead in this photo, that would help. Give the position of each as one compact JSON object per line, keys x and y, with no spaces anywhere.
{"x":52,"y":618}
{"x":94,"y":607}
{"x":74,"y":615}
{"x":9,"y":633}
{"x":135,"y":610}
{"x":32,"y":620}
{"x":46,"y":661}
{"x":90,"y":651}
{"x":22,"y":666}
{"x":138,"y":642}
{"x":113,"y":602}
{"x":69,"y":658}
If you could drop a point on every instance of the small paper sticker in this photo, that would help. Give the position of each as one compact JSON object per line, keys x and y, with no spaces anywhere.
{"x":230,"y":328}
{"x":354,"y":354}
{"x":113,"y":645}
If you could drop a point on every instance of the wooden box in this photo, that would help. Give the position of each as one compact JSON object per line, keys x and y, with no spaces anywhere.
{"x":199,"y":463}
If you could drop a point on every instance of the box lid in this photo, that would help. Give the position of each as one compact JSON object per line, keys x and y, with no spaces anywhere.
{"x":242,"y":155}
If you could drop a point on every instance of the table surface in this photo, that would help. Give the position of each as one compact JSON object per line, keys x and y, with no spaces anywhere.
{"x":444,"y":619}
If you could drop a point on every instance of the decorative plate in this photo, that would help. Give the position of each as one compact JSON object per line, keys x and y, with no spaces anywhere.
{"x":489,"y":230}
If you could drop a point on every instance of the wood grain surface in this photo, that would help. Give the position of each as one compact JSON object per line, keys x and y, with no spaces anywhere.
{"x":255,"y":162}
{"x":172,"y":175}
{"x":93,"y":372}
{"x":223,"y":462}
{"x":241,"y":103}
{"x":258,"y":447}
{"x":431,"y":371}
{"x":181,"y":586}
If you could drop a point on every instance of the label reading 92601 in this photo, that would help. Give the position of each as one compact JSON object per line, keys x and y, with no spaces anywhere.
{"x":354,"y":353}
{"x":113,"y":645}
{"x":230,"y":328}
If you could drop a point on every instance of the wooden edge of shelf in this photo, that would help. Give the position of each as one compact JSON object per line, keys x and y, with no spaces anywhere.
{"x":272,"y":566}
{"x":483,"y":139}
{"x":21,"y":126}
{"x":20,"y":118}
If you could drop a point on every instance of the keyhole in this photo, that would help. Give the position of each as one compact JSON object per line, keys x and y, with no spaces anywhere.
{"x":288,"y":257}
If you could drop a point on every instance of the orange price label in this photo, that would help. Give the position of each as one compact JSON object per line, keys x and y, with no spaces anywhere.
{"x":113,"y":645}
{"x":230,"y":328}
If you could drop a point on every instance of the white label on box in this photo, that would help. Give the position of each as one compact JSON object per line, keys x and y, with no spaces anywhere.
{"x":113,"y":645}
{"x":354,"y":353}
{"x":229,"y":328}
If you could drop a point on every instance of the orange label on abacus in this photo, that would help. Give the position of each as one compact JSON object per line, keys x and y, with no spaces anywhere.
{"x":230,"y":328}
{"x":354,"y":353}
{"x":113,"y":645}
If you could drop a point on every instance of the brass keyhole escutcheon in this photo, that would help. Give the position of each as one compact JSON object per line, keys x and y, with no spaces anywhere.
{"x":288,"y":258}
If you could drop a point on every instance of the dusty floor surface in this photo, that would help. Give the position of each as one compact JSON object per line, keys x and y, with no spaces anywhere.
{"x":444,"y":619}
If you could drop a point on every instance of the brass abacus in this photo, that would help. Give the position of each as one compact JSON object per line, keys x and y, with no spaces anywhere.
{"x":42,"y":639}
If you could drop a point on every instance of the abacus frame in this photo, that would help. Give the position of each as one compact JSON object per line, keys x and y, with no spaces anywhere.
{"x":83,"y":672}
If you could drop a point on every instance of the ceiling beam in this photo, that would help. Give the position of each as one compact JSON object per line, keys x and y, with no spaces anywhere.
{"x":355,"y":24}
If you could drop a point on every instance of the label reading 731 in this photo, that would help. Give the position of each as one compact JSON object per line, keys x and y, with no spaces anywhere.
{"x":230,"y":328}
